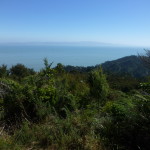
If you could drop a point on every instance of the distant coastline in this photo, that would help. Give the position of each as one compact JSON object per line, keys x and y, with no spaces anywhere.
{"x":32,"y":55}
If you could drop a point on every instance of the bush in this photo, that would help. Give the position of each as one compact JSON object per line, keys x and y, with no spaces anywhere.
{"x":19,"y":71}
{"x":99,"y":87}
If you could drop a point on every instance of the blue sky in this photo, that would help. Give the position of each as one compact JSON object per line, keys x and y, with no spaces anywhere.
{"x":125,"y":22}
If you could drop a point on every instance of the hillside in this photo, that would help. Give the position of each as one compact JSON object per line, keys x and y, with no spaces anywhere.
{"x":130,"y":65}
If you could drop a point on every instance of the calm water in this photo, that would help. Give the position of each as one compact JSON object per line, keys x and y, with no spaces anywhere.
{"x":33,"y":55}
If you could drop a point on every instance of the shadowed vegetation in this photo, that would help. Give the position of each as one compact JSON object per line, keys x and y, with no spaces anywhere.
{"x":56,"y":109}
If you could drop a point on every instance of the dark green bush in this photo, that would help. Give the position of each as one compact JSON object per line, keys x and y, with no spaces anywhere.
{"x":98,"y":84}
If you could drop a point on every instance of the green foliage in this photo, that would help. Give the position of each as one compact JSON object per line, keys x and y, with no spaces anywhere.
{"x":46,"y":63}
{"x":72,"y":90}
{"x":145,"y":87}
{"x":124,"y":123}
{"x":119,"y":110}
{"x":6,"y":144}
{"x":59,"y":68}
{"x":3,"y":71}
{"x":99,"y":87}
{"x":123,"y":83}
{"x":12,"y":100}
{"x":47,"y":71}
{"x":19,"y":71}
{"x":75,"y":132}
{"x":31,"y":100}
{"x":53,"y":109}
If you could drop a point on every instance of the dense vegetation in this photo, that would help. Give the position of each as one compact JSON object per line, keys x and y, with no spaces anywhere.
{"x":129,"y":65}
{"x":57,"y":109}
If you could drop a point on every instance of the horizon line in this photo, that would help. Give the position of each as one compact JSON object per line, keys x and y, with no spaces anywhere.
{"x":73,"y":43}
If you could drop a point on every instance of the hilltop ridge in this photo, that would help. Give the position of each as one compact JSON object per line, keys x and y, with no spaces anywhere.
{"x":130,"y":65}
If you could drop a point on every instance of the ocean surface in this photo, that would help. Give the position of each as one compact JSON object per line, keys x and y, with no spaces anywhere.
{"x":32,"y":55}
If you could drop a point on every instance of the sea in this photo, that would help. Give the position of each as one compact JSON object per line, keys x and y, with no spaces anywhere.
{"x":32,"y":55}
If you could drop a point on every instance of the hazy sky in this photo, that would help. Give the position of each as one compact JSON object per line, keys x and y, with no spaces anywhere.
{"x":112,"y":21}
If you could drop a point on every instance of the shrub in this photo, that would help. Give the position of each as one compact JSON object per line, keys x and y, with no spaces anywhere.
{"x":99,"y":87}
{"x":19,"y":71}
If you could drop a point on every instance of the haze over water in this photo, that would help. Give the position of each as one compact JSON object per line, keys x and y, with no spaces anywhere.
{"x":32,"y":55}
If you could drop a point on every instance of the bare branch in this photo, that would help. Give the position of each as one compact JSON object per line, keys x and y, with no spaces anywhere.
{"x":145,"y":58}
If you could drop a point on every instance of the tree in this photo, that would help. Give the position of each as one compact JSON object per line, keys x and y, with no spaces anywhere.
{"x":59,"y":68}
{"x":3,"y":71}
{"x":20,"y":71}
